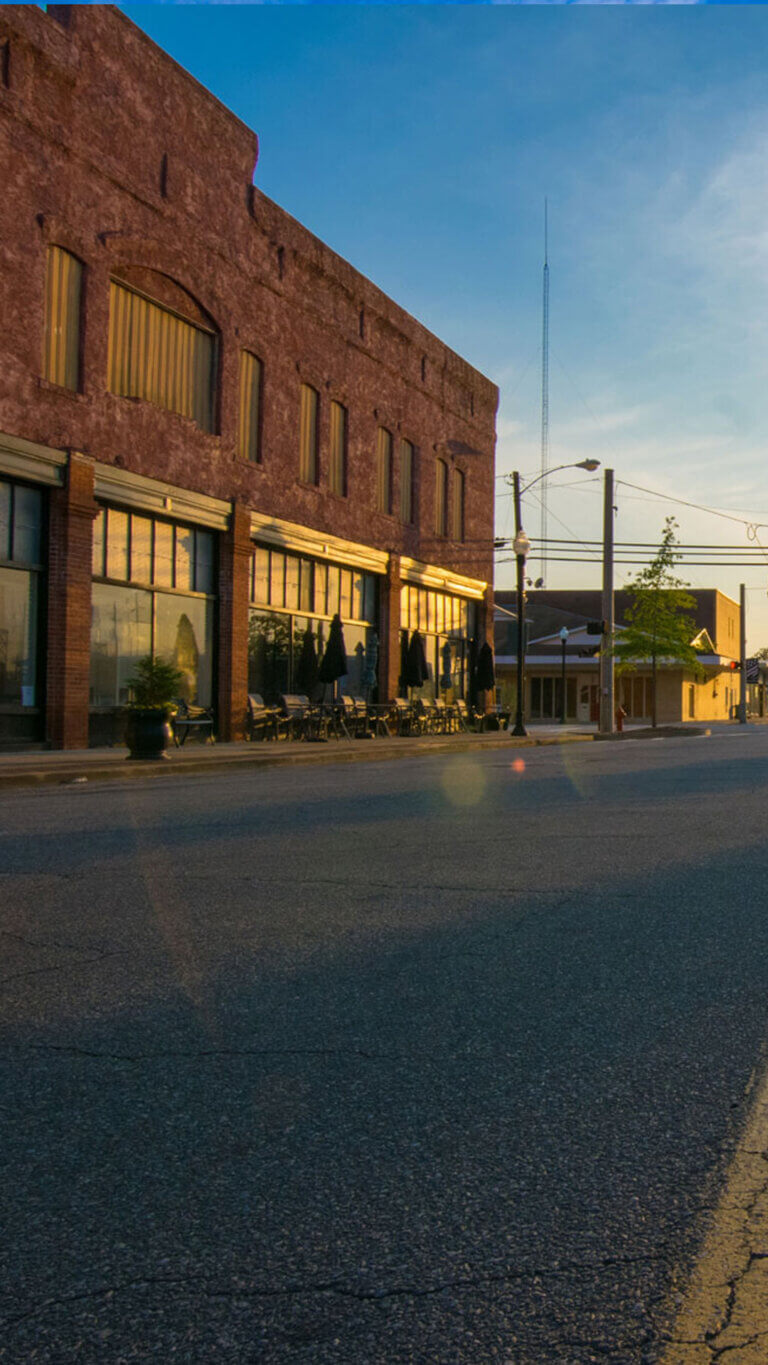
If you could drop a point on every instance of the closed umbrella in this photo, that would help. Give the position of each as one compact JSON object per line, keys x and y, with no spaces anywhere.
{"x":484,"y":674}
{"x":416,"y":671}
{"x":370,"y":666}
{"x":333,"y":664}
{"x":447,"y":658}
{"x":307,"y":667}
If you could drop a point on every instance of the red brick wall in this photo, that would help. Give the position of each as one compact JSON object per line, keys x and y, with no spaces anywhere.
{"x":92,"y":108}
{"x":72,"y":510}
{"x":235,"y":551}
{"x":109,"y":149}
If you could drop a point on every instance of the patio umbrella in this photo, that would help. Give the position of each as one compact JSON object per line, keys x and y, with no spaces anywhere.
{"x":370,"y":677}
{"x":333,"y":664}
{"x":484,"y":674}
{"x":447,"y":657}
{"x":307,"y":667}
{"x":416,"y":671}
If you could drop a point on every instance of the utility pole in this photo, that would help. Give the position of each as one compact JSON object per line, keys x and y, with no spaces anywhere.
{"x":519,"y":544}
{"x":607,"y":708}
{"x":743,"y":654}
{"x":544,"y":399}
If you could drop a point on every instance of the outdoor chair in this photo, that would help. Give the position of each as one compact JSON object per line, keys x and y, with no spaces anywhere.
{"x":403,"y":716}
{"x":442,"y":716}
{"x":303,"y":720}
{"x":187,"y":719}
{"x":263,"y":722}
{"x":464,"y":720}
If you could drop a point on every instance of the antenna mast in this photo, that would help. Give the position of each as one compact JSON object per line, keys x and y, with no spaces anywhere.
{"x":544,"y":401}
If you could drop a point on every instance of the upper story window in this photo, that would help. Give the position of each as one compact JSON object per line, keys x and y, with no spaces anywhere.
{"x":406,"y":482}
{"x":158,"y":355}
{"x":61,"y":343}
{"x":337,"y":469}
{"x":21,"y":523}
{"x":384,"y":470}
{"x":457,"y":506}
{"x":133,"y":547}
{"x":308,"y":463}
{"x":441,"y":498}
{"x":249,"y":430}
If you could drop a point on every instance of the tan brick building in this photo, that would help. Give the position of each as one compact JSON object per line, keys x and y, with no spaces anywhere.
{"x":213,"y":430}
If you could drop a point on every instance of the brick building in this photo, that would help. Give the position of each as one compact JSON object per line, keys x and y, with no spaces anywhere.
{"x":213,"y":430}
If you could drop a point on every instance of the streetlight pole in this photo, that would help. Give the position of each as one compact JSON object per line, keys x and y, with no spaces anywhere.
{"x":521,"y":545}
{"x":563,"y":643}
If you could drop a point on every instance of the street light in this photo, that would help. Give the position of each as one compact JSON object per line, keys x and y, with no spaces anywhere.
{"x":563,"y":643}
{"x":521,"y":545}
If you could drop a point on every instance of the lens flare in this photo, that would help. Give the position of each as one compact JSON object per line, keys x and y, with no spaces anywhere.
{"x":463,"y":782}
{"x":517,"y":765}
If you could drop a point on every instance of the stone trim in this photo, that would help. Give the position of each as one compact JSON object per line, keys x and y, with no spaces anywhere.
{"x":151,"y":495}
{"x":21,"y":459}
{"x":288,"y":535}
{"x":447,"y":580}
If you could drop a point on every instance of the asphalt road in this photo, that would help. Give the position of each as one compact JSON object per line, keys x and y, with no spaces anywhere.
{"x":430,"y":1061}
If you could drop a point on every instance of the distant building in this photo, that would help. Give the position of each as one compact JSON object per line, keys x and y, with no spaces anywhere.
{"x":681,"y":696}
{"x":213,"y":430}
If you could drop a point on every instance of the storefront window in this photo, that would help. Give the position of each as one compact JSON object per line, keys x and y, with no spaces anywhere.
{"x":22,"y":554}
{"x":442,"y":620}
{"x":310,"y":593}
{"x":170,"y":616}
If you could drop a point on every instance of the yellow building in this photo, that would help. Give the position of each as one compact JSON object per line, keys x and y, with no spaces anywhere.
{"x":680,"y":695}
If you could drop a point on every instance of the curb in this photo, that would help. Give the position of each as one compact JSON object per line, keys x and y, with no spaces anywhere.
{"x":75,"y":773}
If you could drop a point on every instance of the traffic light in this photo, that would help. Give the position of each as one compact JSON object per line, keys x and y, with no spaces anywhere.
{"x":735,"y":666}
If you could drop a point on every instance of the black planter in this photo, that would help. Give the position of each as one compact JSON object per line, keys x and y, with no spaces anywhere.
{"x":148,"y":733}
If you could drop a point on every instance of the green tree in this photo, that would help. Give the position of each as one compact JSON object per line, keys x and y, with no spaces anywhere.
{"x":657,"y":628}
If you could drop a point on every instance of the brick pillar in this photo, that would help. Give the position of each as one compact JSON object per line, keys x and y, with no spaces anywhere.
{"x":70,"y":539}
{"x":235,"y":550}
{"x":389,"y":637}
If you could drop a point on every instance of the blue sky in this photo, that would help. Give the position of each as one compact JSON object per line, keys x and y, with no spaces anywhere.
{"x":420,"y":142}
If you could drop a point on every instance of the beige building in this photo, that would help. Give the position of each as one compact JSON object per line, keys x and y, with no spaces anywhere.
{"x":680,"y":695}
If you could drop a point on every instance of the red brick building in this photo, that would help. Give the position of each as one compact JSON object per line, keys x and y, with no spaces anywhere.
{"x":214,"y":432}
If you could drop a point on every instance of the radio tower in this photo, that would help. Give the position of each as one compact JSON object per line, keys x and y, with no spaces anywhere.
{"x":544,"y":402}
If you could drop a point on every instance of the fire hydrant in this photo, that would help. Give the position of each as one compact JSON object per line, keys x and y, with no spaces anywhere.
{"x":620,"y":714}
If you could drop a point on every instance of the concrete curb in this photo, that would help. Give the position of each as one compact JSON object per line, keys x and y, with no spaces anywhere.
{"x":83,"y":768}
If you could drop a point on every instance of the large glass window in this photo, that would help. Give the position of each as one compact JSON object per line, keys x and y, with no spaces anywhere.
{"x":156,"y":354}
{"x":21,"y":556}
{"x":283,"y":589}
{"x":61,"y":341}
{"x":446,"y":624}
{"x":170,"y":616}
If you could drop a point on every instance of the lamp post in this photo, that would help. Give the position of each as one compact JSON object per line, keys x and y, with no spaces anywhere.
{"x":521,"y":545}
{"x":563,"y":643}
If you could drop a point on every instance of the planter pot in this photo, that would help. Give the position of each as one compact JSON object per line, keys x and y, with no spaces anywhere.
{"x":148,"y":733}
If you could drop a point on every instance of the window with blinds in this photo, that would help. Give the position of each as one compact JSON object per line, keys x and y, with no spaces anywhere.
{"x":61,"y":343}
{"x":310,"y":400}
{"x":441,"y":498}
{"x":157,"y":355}
{"x":337,"y":471}
{"x":248,"y":436}
{"x":406,"y":482}
{"x":384,"y":470}
{"x":457,"y":506}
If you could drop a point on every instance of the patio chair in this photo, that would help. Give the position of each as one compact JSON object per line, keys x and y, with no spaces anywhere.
{"x":464,"y":720}
{"x":263,"y":722}
{"x":187,"y":719}
{"x":402,"y":714}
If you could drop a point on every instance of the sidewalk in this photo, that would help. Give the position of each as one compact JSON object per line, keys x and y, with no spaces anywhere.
{"x":91,"y":765}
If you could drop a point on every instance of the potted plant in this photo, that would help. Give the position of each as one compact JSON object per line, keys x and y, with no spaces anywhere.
{"x":154,"y":687}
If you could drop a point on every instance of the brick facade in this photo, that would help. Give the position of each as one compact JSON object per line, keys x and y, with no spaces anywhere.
{"x":113,"y":152}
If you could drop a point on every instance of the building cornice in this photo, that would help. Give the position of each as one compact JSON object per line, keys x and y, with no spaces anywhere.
{"x":289,"y":535}
{"x":112,"y":484}
{"x":22,"y":459}
{"x":447,"y":580}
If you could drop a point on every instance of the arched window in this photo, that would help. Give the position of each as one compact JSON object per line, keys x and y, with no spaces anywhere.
{"x":162,"y":350}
